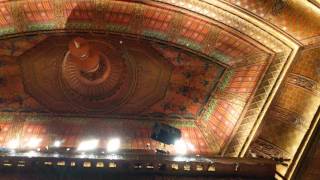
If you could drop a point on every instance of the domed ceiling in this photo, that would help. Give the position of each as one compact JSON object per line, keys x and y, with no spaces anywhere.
{"x":210,"y":68}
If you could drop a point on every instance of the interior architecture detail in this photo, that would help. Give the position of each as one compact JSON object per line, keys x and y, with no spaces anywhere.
{"x":83,"y":83}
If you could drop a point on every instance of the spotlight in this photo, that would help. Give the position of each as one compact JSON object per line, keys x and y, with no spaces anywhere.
{"x":57,"y":144}
{"x":180,"y":147}
{"x":33,"y":142}
{"x":113,"y":145}
{"x":88,"y":145}
{"x":13,"y":144}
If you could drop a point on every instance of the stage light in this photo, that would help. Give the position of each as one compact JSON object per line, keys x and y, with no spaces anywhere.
{"x":88,"y":145}
{"x":13,"y":144}
{"x":113,"y":145}
{"x":31,"y":154}
{"x":180,"y":147}
{"x":57,"y":143}
{"x":183,"y":159}
{"x":33,"y":142}
{"x":82,"y":155}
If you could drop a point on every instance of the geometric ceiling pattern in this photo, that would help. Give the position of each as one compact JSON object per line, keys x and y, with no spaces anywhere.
{"x":242,"y":75}
{"x":251,"y":70}
{"x":245,"y":64}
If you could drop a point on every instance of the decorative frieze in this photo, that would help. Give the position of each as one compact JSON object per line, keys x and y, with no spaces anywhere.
{"x":304,"y":82}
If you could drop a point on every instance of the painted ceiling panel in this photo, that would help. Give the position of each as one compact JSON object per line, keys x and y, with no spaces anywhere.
{"x":191,"y":71}
{"x":290,"y":16}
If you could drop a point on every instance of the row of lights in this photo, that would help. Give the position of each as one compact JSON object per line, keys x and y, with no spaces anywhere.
{"x":113,"y":145}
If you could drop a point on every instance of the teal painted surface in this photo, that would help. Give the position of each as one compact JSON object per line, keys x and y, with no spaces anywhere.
{"x":155,"y":34}
{"x":210,"y":109}
{"x":117,"y":28}
{"x":5,"y":31}
{"x":6,"y":117}
{"x":220,"y":56}
{"x":76,"y":25}
{"x":226,"y":80}
{"x":189,"y":44}
{"x":42,"y":26}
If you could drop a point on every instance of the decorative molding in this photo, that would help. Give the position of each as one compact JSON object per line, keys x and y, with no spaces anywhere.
{"x":252,"y":118}
{"x":257,"y":58}
{"x":288,"y":117}
{"x":304,"y":82}
{"x":263,"y":148}
{"x":315,"y":2}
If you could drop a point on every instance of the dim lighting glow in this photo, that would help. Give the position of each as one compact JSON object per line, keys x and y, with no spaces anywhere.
{"x":113,"y":145}
{"x":33,"y":142}
{"x":88,"y":145}
{"x":13,"y":144}
{"x":180,"y":147}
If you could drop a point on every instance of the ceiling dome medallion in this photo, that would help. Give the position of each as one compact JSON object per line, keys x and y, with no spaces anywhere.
{"x":87,"y":70}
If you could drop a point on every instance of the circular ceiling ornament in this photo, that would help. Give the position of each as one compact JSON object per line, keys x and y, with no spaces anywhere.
{"x":94,"y":76}
{"x":87,"y":70}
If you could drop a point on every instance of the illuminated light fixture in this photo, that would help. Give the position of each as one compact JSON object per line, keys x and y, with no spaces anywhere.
{"x":180,"y":147}
{"x":57,"y":143}
{"x":82,"y":155}
{"x":183,"y":159}
{"x":88,"y":145}
{"x":113,"y":145}
{"x":31,"y":154}
{"x":13,"y":144}
{"x":33,"y":142}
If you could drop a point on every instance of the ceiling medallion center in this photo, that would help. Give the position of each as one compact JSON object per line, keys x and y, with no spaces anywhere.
{"x":86,"y":69}
{"x":94,"y":75}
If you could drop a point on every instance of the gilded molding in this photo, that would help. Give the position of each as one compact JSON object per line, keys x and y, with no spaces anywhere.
{"x":304,"y":82}
{"x":257,"y":58}
{"x":287,"y":116}
{"x":256,"y":110}
{"x":263,"y":148}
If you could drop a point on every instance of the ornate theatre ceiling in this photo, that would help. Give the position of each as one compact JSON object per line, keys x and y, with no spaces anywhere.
{"x":218,"y":70}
